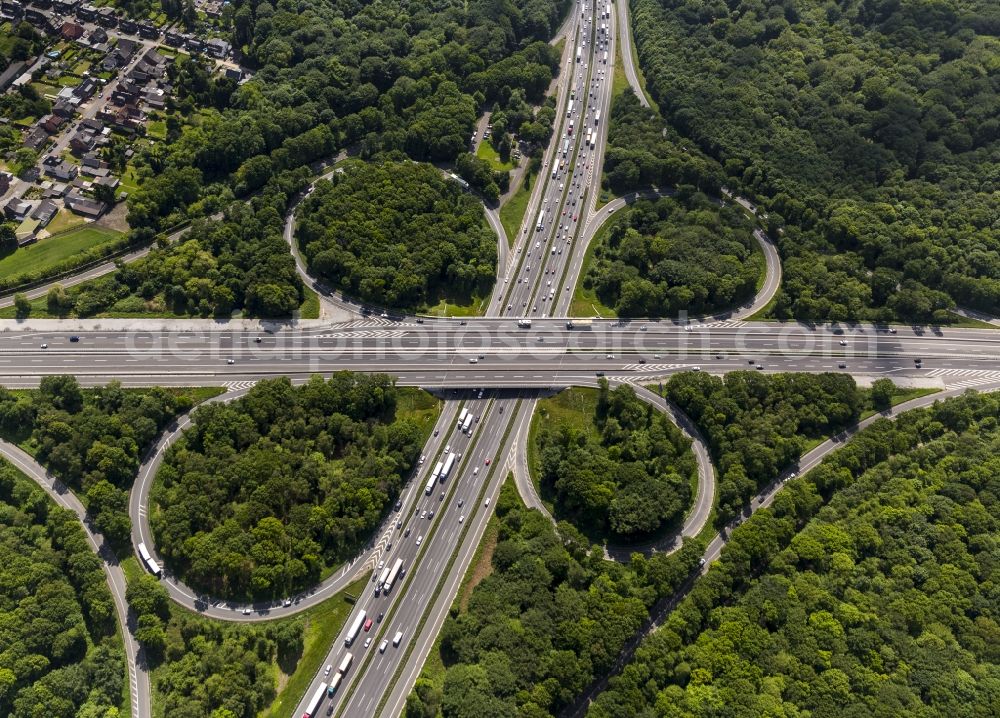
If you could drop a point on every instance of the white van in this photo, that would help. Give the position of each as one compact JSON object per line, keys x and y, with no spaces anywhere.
{"x":396,"y":639}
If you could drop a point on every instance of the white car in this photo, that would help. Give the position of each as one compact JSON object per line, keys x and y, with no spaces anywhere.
{"x":383,"y":645}
{"x":326,"y":671}
{"x":45,"y":346}
{"x":423,"y":458}
{"x":368,"y":641}
{"x":461,"y":519}
{"x":419,"y":539}
{"x":610,"y":356}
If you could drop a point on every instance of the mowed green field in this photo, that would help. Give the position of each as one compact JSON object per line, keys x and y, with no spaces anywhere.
{"x":53,"y":250}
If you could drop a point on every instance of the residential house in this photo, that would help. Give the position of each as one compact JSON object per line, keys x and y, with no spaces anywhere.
{"x":82,"y":142}
{"x":79,"y":204}
{"x":44,"y":213}
{"x":97,"y":36}
{"x":127,"y":25}
{"x":16,"y":209}
{"x":56,"y":190}
{"x":5,"y":180}
{"x":71,"y":31}
{"x":36,"y":138}
{"x":10,"y":74}
{"x":11,"y":8}
{"x":195,"y":45}
{"x":63,"y":172}
{"x":87,"y":13}
{"x":121,"y":55}
{"x":212,"y":8}
{"x":25,"y":232}
{"x":63,"y":108}
{"x":173,"y":38}
{"x":86,"y":89}
{"x":92,"y":124}
{"x":44,"y":4}
{"x":106,"y":17}
{"x":149,"y":31}
{"x":126,"y":92}
{"x":218,"y":48}
{"x":65,"y":7}
{"x":51,"y":123}
{"x":127,"y":117}
{"x":155,"y":98}
{"x":108,"y":181}
{"x":234,"y":73}
{"x":37,"y":17}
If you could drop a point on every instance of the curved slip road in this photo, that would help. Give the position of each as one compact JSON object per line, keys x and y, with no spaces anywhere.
{"x":695,"y":519}
{"x":138,"y":677}
{"x":596,"y":221}
{"x":762,"y":500}
{"x":225,"y":609}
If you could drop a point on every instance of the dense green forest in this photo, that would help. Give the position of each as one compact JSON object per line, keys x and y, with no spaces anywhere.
{"x":612,"y":463}
{"x":262,"y":494}
{"x":399,"y":234}
{"x":390,"y":79}
{"x":681,"y":253}
{"x":550,"y":617}
{"x":209,"y":668}
{"x":92,"y":439}
{"x":643,"y":151}
{"x":868,"y":129}
{"x":867,"y":589}
{"x":60,"y":652}
{"x":758,"y":425}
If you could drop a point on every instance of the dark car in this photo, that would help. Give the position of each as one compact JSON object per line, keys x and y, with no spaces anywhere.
{"x":74,"y":339}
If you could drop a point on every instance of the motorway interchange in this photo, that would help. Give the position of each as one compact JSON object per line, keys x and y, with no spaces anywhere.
{"x":487,"y":366}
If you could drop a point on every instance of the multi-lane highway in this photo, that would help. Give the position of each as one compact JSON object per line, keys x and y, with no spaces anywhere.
{"x":497,"y":353}
{"x":430,"y":530}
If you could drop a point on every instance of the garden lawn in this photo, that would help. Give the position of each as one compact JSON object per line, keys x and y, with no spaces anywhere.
{"x":53,"y":250}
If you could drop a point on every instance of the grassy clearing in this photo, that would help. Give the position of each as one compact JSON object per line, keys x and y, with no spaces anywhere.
{"x":619,"y":82}
{"x":958,"y":321}
{"x":443,"y":308}
{"x":130,"y":181}
{"x":512,"y":212}
{"x":585,"y":301}
{"x":486,"y":152}
{"x":309,"y":309}
{"x":902,"y":394}
{"x":53,"y":250}
{"x":64,"y":220}
{"x":157,"y":129}
{"x":322,"y":624}
{"x":419,"y":407}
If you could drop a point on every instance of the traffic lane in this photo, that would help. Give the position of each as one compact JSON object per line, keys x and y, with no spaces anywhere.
{"x":399,"y":692}
{"x":406,"y":549}
{"x":424,"y":577}
{"x":446,"y":363}
{"x":485,"y":349}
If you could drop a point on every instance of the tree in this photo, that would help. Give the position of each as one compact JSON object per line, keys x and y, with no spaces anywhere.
{"x":882,"y":392}
{"x":58,"y":301}
{"x":22,"y":305}
{"x":8,"y":237}
{"x":25,"y":159}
